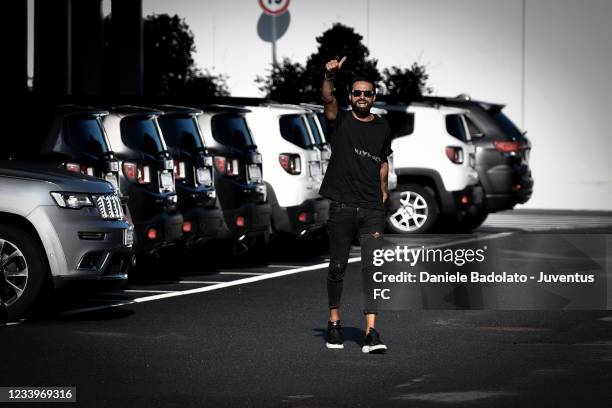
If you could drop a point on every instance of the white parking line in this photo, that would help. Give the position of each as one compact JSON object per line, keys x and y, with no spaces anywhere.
{"x":200,"y":282}
{"x":7,"y":324}
{"x":222,"y":285}
{"x":251,"y":279}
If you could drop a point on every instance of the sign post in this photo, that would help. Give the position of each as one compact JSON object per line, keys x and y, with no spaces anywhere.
{"x":274,"y":9}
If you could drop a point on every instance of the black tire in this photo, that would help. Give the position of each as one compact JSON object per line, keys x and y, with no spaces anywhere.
{"x":475,"y":221}
{"x":412,"y":210}
{"x":18,"y":249}
{"x":471,"y":221}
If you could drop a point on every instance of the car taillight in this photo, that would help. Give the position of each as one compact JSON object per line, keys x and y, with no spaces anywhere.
{"x":73,"y":167}
{"x":152,"y":233}
{"x":229,"y":167}
{"x":131,"y":171}
{"x":144,"y":174}
{"x":507,"y":146}
{"x":454,"y":154}
{"x":179,"y":170}
{"x":87,"y":170}
{"x":137,"y":173}
{"x":291,"y":163}
{"x":220,"y":164}
{"x":233,"y":168}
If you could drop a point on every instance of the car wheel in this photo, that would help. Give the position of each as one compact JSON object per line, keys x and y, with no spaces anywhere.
{"x":23,"y":271}
{"x":473,"y":221}
{"x":413,"y":210}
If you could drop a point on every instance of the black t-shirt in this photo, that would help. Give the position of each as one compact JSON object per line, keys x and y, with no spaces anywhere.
{"x":358,"y":150}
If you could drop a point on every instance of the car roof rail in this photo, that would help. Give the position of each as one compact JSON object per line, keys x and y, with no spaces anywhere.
{"x":221,"y":108}
{"x":132,"y":110}
{"x":178,"y":110}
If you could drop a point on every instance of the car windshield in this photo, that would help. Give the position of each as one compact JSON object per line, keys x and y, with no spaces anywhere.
{"x":86,"y":135}
{"x":181,"y":132}
{"x":318,"y":137}
{"x":141,"y":134}
{"x":231,"y":129}
{"x":293,"y":129}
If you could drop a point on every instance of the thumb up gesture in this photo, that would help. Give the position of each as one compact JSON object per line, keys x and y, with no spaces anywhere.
{"x":334,"y":65}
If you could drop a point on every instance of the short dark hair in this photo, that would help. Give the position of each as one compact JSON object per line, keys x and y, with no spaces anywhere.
{"x":362,"y":79}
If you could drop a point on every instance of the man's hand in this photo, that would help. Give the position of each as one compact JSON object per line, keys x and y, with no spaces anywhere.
{"x":334,"y":65}
{"x":327,"y":91}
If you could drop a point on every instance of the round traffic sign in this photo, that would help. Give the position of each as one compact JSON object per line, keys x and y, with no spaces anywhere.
{"x":265,"y":27}
{"x":274,"y":7}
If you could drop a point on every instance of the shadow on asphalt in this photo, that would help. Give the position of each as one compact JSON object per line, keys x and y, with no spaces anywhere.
{"x":113,"y":313}
{"x":349,"y":334}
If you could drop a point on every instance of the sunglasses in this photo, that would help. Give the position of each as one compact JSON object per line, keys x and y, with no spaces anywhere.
{"x":357,"y":93}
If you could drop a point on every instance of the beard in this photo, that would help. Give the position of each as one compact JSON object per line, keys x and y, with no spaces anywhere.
{"x":361,"y":110}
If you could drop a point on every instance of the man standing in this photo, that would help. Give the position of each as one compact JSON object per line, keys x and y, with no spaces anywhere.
{"x":356,"y":184}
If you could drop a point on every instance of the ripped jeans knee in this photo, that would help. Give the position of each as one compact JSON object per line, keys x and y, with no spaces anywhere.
{"x":335,"y":278}
{"x":336,"y":271}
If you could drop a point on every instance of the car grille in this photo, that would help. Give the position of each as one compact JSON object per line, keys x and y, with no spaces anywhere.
{"x":118,"y":264}
{"x":109,"y":206}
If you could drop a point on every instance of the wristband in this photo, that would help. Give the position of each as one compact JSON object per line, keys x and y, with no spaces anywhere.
{"x":329,"y":76}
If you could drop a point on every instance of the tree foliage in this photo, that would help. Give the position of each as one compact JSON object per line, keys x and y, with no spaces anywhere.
{"x":337,"y":42}
{"x":405,"y":84}
{"x":168,"y":48}
{"x":169,"y":68}
{"x":284,"y":82}
{"x":294,"y":82}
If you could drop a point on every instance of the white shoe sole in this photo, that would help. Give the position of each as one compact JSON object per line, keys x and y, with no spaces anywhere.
{"x":378,"y":349}
{"x":334,"y":346}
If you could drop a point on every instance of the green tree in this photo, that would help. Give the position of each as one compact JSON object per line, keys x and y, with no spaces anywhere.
{"x":284,"y":82}
{"x":202,"y":85}
{"x":405,"y":84}
{"x":294,"y":82}
{"x":169,"y":68}
{"x":337,"y":42}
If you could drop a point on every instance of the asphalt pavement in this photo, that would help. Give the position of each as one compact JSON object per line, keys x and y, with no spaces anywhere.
{"x":208,"y":332}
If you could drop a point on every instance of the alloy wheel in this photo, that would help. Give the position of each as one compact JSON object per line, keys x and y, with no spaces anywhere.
{"x":13,"y":271}
{"x":412,"y":213}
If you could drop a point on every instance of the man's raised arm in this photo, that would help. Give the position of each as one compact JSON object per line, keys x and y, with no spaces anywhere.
{"x":327,"y":91}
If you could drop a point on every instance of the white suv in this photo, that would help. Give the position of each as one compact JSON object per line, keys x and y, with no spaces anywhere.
{"x":434,"y":165}
{"x":293,"y":166}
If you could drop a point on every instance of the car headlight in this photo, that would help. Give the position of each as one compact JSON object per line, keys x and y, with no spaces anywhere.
{"x":72,"y":200}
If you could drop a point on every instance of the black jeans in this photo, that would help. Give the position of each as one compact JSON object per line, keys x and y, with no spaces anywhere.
{"x":343,"y":224}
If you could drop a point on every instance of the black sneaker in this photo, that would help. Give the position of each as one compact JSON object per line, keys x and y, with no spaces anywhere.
{"x":334,"y":335}
{"x":373,"y":344}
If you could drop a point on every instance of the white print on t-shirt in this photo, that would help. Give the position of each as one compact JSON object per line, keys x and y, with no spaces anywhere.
{"x":363,"y":153}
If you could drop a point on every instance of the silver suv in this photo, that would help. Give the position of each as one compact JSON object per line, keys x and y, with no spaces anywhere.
{"x":55,"y":227}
